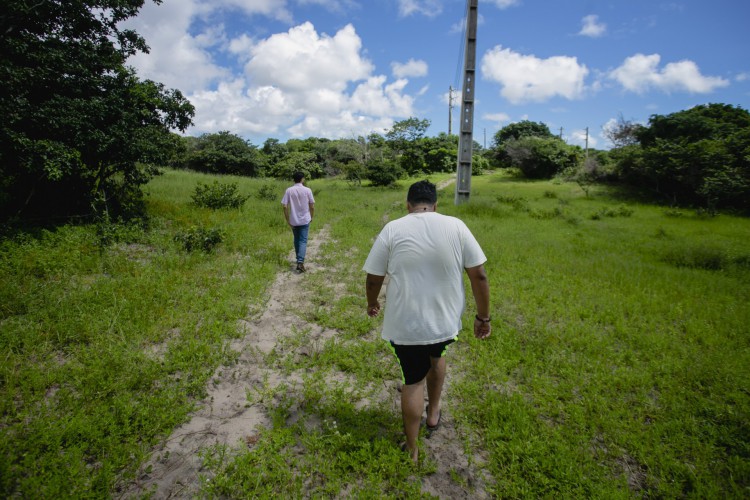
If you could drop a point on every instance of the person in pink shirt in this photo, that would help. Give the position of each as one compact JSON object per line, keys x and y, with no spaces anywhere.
{"x":299,"y":209}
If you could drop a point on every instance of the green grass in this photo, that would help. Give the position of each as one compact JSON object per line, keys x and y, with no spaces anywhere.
{"x":618,"y":366}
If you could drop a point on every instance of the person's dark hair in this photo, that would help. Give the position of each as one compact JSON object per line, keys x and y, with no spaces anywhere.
{"x":422,"y":192}
{"x":298,"y":176}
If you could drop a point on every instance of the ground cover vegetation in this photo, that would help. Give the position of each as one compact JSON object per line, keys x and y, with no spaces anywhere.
{"x":618,"y":365}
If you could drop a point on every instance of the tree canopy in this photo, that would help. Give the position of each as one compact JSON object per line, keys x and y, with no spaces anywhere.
{"x":699,"y":156}
{"x":80,"y":130}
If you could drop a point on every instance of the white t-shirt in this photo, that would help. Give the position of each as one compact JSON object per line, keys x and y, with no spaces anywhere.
{"x":298,"y":198}
{"x":424,"y":255}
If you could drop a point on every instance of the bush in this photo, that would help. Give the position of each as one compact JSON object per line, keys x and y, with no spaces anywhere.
{"x":267,"y":192}
{"x":218,"y":196}
{"x":383,"y":172}
{"x":541,"y":158}
{"x":199,"y":238}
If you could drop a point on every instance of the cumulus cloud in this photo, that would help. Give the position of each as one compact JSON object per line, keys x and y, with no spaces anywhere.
{"x":429,"y":8}
{"x":592,"y":27}
{"x":411,"y":68}
{"x":526,"y":78}
{"x":301,"y":58}
{"x":298,"y":82}
{"x":177,"y":59}
{"x":641,"y":73}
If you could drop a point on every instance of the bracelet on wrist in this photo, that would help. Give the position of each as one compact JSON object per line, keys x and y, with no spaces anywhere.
{"x":489,"y":318}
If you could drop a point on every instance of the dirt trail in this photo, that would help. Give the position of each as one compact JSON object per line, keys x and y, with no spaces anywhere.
{"x":225,"y":417}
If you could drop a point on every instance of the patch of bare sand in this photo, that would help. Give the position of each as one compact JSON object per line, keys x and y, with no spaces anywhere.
{"x":226,"y":417}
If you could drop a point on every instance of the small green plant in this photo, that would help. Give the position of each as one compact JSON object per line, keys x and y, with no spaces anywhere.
{"x":620,"y":211}
{"x":267,"y":192}
{"x":517,"y":202}
{"x":199,"y":238}
{"x":698,"y":257}
{"x":218,"y":195}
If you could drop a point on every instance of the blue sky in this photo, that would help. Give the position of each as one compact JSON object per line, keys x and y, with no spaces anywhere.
{"x":343,"y":68}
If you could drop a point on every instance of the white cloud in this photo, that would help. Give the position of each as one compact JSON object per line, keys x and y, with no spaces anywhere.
{"x":528,"y":78}
{"x":411,"y":68}
{"x":177,"y":59}
{"x":275,"y":9}
{"x":504,"y":4}
{"x":640,"y":73}
{"x":331,"y":5}
{"x":578,"y":137}
{"x":429,"y":8}
{"x":301,"y":59}
{"x":592,"y":27}
{"x":298,"y":82}
{"x":742,"y":77}
{"x":496,"y":117}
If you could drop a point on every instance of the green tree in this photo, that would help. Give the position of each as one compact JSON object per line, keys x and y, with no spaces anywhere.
{"x":540,"y":157}
{"x":274,"y":150}
{"x":79,"y":129}
{"x":383,"y":172}
{"x":225,"y":153}
{"x":440,"y":153}
{"x":403,"y":141}
{"x":699,"y":156}
{"x":297,"y":161}
{"x":514,"y":132}
{"x":518,"y":130}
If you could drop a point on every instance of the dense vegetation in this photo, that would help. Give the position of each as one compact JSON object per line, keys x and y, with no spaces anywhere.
{"x":80,"y":132}
{"x":618,"y":366}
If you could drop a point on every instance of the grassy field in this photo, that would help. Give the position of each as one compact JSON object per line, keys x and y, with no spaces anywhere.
{"x":619,"y":366}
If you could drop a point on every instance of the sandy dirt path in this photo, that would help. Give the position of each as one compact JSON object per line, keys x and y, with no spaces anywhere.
{"x":224,"y":416}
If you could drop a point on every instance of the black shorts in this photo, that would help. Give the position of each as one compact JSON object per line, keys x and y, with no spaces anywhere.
{"x":415,"y":359}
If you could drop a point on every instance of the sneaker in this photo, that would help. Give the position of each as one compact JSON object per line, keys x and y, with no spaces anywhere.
{"x":300,"y":267}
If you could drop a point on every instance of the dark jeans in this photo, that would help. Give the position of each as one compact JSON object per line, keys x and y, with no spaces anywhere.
{"x":300,"y":241}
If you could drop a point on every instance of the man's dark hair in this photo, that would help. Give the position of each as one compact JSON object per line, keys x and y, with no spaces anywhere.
{"x":422,"y":192}
{"x":298,"y":176}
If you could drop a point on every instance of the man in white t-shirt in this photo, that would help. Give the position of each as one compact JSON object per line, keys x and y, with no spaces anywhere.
{"x":424,"y":254}
{"x":299,"y":209}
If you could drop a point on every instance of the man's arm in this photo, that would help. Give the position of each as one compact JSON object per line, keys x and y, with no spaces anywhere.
{"x":286,"y":212}
{"x":480,"y":287}
{"x":373,"y":284}
{"x":312,"y":210}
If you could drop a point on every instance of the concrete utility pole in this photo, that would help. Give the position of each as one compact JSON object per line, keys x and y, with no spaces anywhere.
{"x":587,"y":143}
{"x":466,"y":133}
{"x":450,"y":110}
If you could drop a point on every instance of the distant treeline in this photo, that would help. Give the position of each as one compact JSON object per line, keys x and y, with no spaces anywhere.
{"x":81,"y":133}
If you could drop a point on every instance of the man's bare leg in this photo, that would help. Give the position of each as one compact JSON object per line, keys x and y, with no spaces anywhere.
{"x":412,"y":404}
{"x":435,"y":379}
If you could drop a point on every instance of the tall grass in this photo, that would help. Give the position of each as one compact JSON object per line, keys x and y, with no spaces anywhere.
{"x":618,"y":366}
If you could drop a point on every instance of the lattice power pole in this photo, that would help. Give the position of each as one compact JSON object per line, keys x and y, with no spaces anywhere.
{"x":466,"y":129}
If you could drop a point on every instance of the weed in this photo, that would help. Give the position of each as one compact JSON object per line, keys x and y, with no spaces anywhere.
{"x":218,"y":195}
{"x":199,"y":238}
{"x":268,"y":192}
{"x":619,"y":211}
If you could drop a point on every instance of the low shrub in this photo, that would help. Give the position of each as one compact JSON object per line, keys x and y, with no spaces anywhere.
{"x":199,"y":238}
{"x":218,"y":195}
